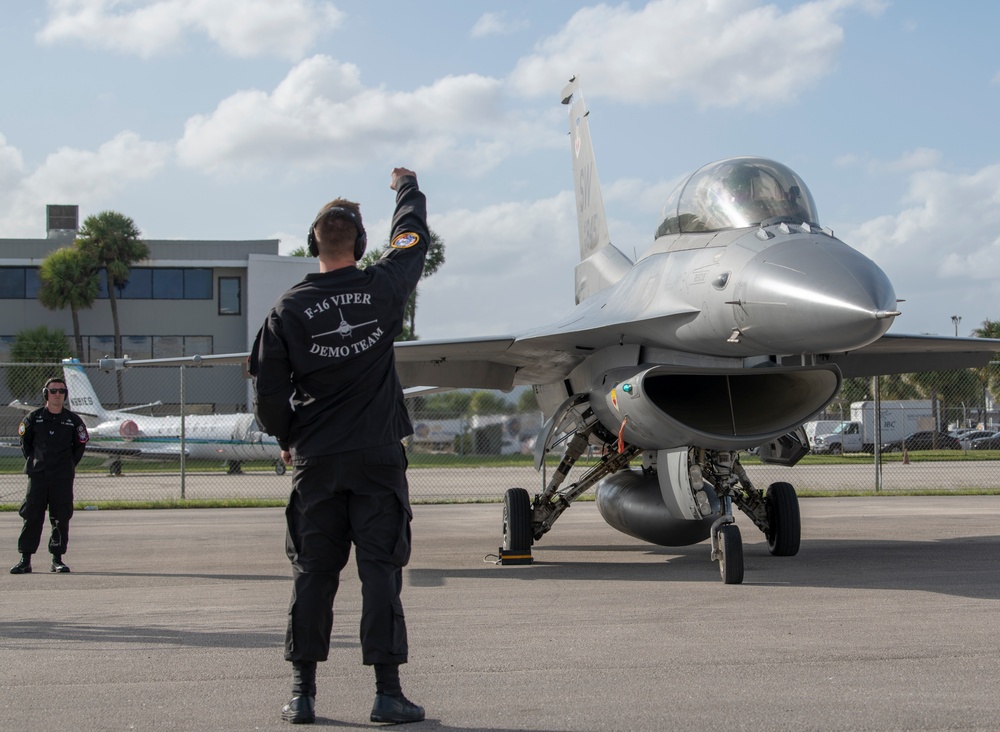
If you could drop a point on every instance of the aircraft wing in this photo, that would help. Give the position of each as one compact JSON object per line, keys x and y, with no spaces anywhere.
{"x":484,"y":363}
{"x":166,"y":452}
{"x":544,"y":355}
{"x":136,"y":453}
{"x":904,"y":354}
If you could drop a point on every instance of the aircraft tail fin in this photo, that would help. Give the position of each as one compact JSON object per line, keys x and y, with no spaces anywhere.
{"x":601,"y":263}
{"x":82,"y":397}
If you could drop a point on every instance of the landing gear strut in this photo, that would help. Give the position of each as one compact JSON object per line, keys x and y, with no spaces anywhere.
{"x":775,"y":512}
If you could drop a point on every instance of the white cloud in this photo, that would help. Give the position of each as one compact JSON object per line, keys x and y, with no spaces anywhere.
{"x":717,"y":54}
{"x":74,"y":176}
{"x":922,"y":158}
{"x":495,"y":24}
{"x":11,"y":165}
{"x":321,"y":115}
{"x":508,"y":267}
{"x":942,"y":252}
{"x":288,"y":242}
{"x":244,"y":28}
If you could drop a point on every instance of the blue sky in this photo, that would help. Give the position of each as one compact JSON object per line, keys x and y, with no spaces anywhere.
{"x":238,"y":119}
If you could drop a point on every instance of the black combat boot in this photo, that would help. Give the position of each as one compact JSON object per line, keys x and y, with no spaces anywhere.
{"x":22,"y":567}
{"x":395,"y":709}
{"x":58,"y":566}
{"x":300,"y":710}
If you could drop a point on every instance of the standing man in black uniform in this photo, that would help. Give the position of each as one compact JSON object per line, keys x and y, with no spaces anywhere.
{"x":53,"y":440}
{"x":326,"y":386}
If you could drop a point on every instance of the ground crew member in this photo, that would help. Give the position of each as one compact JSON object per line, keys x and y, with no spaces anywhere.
{"x":53,"y":440}
{"x":326,"y":387}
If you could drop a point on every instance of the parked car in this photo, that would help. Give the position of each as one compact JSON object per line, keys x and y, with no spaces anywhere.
{"x":991,"y":442}
{"x":925,"y":440}
{"x":967,"y":438}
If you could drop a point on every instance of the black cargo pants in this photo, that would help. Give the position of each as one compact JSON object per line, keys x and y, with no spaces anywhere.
{"x":358,"y":497}
{"x":54,"y":492}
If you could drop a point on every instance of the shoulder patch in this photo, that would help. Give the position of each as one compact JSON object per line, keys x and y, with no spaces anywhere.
{"x":81,"y":433}
{"x":405,"y":240}
{"x":21,"y":429}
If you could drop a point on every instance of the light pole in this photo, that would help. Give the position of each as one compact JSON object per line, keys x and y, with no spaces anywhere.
{"x":956,"y":319}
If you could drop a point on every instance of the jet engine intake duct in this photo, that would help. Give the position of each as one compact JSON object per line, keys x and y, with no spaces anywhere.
{"x":662,"y":407}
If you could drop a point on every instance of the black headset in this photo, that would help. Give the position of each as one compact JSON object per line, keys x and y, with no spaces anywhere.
{"x":45,"y":389}
{"x":359,"y":244}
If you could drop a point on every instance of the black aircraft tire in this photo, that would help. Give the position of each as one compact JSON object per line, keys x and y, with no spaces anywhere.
{"x":516,"y":520}
{"x":731,"y":545}
{"x":783,"y":520}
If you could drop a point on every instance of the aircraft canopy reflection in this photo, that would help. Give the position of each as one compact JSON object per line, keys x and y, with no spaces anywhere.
{"x":736,"y":193}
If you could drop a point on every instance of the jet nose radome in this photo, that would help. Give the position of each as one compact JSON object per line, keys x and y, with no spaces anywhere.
{"x":813,"y":294}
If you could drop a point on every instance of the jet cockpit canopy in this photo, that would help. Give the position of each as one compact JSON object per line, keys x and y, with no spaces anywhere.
{"x":736,"y":193}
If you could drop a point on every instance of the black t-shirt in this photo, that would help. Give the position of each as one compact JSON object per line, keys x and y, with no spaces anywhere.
{"x":323,"y":363}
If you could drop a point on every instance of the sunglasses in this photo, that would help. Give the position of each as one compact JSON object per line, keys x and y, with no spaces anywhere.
{"x":58,"y":391}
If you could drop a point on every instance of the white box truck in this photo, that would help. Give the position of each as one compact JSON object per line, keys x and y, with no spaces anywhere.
{"x":899,"y":418}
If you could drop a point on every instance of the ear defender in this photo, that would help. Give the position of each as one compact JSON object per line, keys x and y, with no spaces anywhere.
{"x":360,"y":243}
{"x":45,"y":389}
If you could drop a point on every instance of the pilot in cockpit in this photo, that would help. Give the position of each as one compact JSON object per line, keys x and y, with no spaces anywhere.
{"x":757,"y":196}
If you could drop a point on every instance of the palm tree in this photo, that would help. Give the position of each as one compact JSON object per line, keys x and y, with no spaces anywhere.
{"x":111,"y":239}
{"x":433,"y":262}
{"x":70,"y":280}
{"x":989,"y":375}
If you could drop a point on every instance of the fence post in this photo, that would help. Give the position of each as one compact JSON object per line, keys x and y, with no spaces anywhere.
{"x":183,"y":436}
{"x":877,"y":451}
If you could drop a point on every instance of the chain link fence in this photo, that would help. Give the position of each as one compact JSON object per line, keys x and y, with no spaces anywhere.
{"x":465,"y":446}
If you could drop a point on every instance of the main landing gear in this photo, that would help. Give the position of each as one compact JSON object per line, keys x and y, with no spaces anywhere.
{"x":525,"y":520}
{"x":774,"y":511}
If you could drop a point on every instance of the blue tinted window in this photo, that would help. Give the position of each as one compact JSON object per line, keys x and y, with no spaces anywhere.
{"x":12,"y":283}
{"x":168,"y":284}
{"x":140,"y":284}
{"x":32,"y":283}
{"x":197,"y":284}
{"x":155,"y":283}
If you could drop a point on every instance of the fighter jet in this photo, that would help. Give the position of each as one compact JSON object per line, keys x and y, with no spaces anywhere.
{"x":737,"y":325}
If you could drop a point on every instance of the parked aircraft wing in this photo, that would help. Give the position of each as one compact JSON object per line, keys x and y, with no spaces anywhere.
{"x":904,"y":354}
{"x":136,"y":453}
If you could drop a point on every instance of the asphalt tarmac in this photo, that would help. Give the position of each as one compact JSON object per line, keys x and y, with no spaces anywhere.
{"x":174,"y":620}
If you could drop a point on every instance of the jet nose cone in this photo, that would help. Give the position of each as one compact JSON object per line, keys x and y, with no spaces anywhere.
{"x":812,"y":294}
